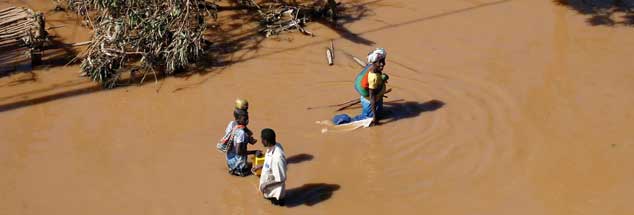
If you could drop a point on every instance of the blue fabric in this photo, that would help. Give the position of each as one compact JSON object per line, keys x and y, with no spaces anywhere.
{"x":341,"y":119}
{"x":366,"y":112}
{"x":236,"y":163}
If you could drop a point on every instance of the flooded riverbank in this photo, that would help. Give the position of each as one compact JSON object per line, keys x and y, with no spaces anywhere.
{"x":500,"y":107}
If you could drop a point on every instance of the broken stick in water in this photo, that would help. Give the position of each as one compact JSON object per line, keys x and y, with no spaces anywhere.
{"x":335,"y":105}
{"x":332,"y":48}
{"x":329,"y":56}
{"x":358,"y":61}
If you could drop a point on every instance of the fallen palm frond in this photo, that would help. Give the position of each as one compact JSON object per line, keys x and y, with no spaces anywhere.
{"x":149,"y":36}
{"x":162,"y":37}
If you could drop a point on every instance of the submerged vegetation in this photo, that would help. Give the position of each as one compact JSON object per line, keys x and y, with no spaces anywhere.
{"x":151,"y":37}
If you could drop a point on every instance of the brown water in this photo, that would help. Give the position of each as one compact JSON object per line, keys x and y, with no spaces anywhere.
{"x":505,"y":107}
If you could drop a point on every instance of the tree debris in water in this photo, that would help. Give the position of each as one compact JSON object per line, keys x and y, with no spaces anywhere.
{"x":148,"y":36}
{"x":154,"y":37}
{"x":286,"y":18}
{"x":22,"y":27}
{"x":330,"y":53}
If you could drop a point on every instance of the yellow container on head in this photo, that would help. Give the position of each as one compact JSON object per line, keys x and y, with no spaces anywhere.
{"x":242,"y":104}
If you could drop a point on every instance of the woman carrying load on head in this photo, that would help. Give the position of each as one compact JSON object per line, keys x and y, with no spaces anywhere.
{"x":241,"y":105}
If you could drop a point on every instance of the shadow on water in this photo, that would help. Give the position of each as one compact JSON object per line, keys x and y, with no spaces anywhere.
{"x":59,"y":54}
{"x":39,"y":96}
{"x":310,"y":194}
{"x":237,"y":43}
{"x":376,"y":29}
{"x":238,"y":38}
{"x":13,"y":57}
{"x":603,"y":12}
{"x":401,"y":110}
{"x":235,"y":38}
{"x":299,"y":158}
{"x":48,"y":98}
{"x":347,"y":14}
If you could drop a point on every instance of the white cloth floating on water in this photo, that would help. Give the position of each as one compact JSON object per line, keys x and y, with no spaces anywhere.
{"x":351,"y":126}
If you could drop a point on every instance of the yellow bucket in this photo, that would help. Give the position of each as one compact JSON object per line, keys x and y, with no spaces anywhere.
{"x":257,"y":161}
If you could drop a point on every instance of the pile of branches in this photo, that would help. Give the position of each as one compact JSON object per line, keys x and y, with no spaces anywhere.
{"x":22,"y":27}
{"x":278,"y":17}
{"x":22,"y":24}
{"x":150,"y":36}
{"x":164,"y":36}
{"x":282,"y":19}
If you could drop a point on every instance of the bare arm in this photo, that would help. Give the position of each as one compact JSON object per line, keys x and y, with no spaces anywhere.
{"x":242,"y":149}
{"x":256,"y":168}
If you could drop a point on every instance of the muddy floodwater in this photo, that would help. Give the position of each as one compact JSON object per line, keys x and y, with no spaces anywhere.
{"x":498,"y":107}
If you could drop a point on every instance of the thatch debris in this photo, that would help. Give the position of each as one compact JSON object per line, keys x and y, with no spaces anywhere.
{"x":163,"y":37}
{"x":149,"y":36}
{"x":22,"y":27}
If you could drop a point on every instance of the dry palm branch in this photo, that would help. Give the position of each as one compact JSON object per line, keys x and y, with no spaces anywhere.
{"x":164,"y":36}
{"x":149,"y":36}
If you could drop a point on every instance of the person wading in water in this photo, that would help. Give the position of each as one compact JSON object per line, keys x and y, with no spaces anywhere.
{"x":273,"y":179}
{"x":371,"y":85}
{"x":241,"y":104}
{"x":237,"y":141}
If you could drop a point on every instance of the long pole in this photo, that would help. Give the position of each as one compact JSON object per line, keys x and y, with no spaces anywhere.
{"x":335,"y":105}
